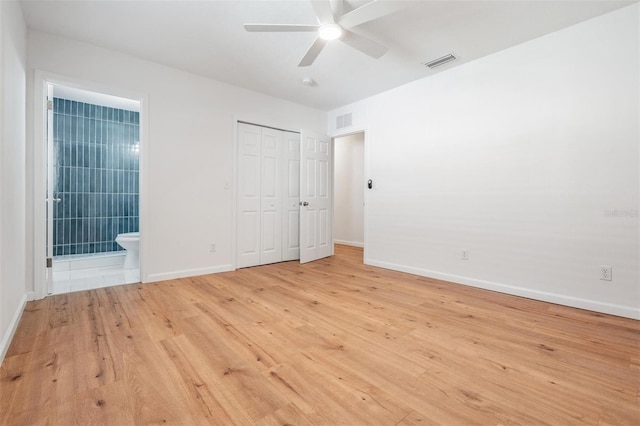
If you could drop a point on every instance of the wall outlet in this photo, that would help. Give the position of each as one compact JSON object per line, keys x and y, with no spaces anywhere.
{"x":606,"y":273}
{"x":464,"y":254}
{"x":212,"y":247}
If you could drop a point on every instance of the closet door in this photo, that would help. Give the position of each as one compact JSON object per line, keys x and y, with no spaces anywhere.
{"x":249,"y":195}
{"x":291,"y":196}
{"x":271,"y":197}
{"x":268,"y":212}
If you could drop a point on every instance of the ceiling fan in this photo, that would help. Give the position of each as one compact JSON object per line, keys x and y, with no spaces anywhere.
{"x":332,"y":25}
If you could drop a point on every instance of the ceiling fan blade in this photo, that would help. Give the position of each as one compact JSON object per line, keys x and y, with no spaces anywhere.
{"x":323,"y":11}
{"x":312,"y":53}
{"x":269,"y":28}
{"x":370,"y":11}
{"x":337,"y":6}
{"x":363,"y":44}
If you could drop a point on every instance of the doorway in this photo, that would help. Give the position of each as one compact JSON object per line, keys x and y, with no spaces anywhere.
{"x":92,"y":190}
{"x":349,"y":190}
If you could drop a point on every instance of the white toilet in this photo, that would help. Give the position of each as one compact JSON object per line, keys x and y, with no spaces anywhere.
{"x":131,"y":243}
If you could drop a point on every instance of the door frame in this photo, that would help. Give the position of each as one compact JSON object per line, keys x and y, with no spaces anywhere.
{"x":41,"y":80}
{"x":262,"y":122}
{"x":365,"y":191}
{"x":367,"y":176}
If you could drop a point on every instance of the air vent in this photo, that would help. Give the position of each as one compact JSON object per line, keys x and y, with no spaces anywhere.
{"x":440,"y":61}
{"x":343,"y":121}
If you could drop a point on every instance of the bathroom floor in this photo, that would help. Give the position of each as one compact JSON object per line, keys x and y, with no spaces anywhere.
{"x":88,"y":279}
{"x":73,"y":274}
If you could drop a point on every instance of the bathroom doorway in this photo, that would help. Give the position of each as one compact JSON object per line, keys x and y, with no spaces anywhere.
{"x":93,"y":189}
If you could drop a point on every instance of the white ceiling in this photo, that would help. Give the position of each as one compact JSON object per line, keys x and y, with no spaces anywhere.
{"x":207,"y":38}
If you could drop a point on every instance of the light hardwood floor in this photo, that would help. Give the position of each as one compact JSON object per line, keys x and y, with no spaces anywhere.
{"x":332,"y":342}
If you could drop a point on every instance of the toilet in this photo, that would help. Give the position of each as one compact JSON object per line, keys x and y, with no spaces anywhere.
{"x":131,"y":243}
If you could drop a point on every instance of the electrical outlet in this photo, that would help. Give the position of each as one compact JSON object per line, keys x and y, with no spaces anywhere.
{"x":212,"y":247}
{"x":465,"y":254}
{"x":606,"y":273}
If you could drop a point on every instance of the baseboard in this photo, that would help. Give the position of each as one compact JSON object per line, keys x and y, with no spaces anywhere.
{"x":560,"y":299}
{"x":187,"y":273}
{"x":349,"y":243}
{"x":13,"y":326}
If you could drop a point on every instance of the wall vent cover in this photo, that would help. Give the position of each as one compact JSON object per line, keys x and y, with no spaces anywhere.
{"x":440,"y":61}
{"x":343,"y":121}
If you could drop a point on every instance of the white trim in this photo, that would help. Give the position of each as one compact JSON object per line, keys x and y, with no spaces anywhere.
{"x":234,"y":195}
{"x":187,"y":273}
{"x":13,"y":326}
{"x":39,"y":185}
{"x":41,"y":79}
{"x":560,"y":299}
{"x":349,"y":243}
{"x":332,"y":174}
{"x":367,"y":196}
{"x":143,"y":189}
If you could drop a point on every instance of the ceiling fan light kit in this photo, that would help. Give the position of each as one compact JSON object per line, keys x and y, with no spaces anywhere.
{"x":337,"y":26}
{"x":330,"y":32}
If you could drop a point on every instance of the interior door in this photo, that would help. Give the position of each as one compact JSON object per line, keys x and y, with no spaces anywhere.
{"x":291,"y":197}
{"x":271,"y":198}
{"x":316,"y":198}
{"x":51,"y":200}
{"x":249,"y":193}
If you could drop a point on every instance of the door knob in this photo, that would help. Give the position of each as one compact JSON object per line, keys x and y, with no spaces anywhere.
{"x":304,"y":203}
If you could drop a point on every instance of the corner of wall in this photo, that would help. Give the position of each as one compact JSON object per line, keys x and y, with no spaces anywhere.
{"x":13,"y":173}
{"x":7,"y":337}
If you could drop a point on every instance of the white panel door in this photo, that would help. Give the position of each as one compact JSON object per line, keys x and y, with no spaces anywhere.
{"x":291,"y":196}
{"x":249,"y":194}
{"x":316,"y":186}
{"x":271,"y":198}
{"x":51,"y":196}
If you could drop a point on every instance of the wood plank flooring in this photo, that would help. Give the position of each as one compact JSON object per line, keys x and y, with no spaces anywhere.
{"x":331,"y":342}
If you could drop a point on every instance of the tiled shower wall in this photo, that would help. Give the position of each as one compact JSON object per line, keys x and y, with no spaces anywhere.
{"x":96,"y":176}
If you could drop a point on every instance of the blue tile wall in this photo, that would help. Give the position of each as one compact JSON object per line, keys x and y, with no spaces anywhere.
{"x":96,"y":176}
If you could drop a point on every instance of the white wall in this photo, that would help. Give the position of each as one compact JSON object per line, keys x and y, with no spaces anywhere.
{"x":189,"y":148}
{"x":527,"y":158}
{"x":349,"y":187}
{"x":12,"y":170}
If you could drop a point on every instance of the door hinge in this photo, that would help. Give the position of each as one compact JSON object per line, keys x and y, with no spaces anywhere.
{"x":50,"y":105}
{"x":49,"y":262}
